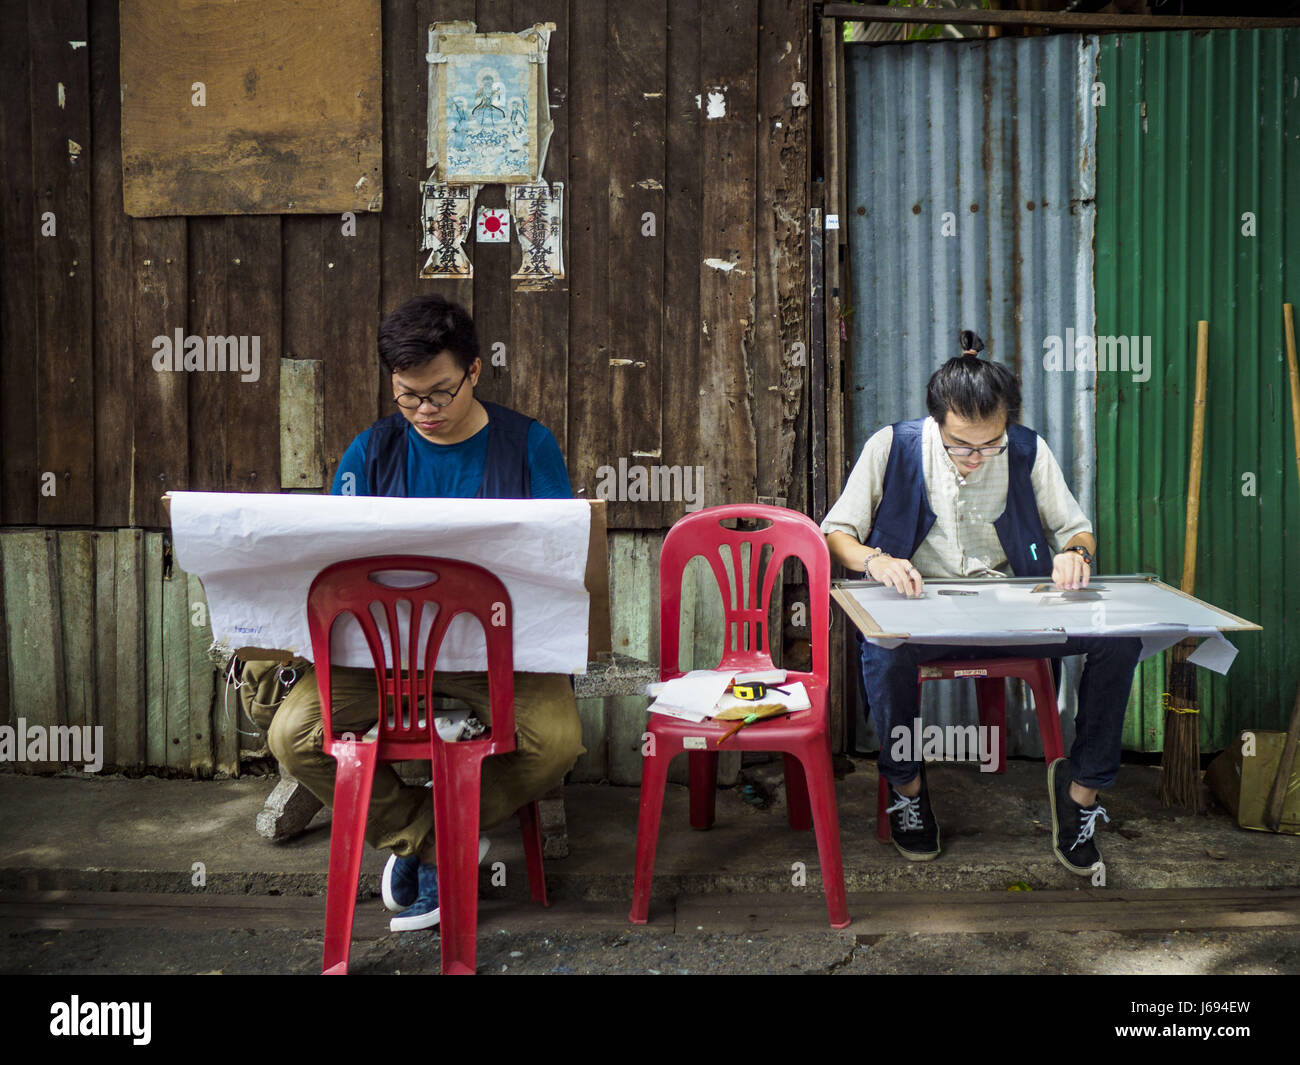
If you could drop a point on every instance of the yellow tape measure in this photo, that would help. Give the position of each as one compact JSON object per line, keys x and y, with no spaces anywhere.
{"x":754,"y":691}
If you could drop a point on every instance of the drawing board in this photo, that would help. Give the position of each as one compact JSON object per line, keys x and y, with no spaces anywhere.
{"x":1019,"y":611}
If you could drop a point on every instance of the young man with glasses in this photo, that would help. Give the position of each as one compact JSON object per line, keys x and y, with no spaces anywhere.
{"x":439,"y":442}
{"x":968,"y":492}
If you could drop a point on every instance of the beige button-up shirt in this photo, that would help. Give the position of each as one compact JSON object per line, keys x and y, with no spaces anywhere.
{"x":962,"y":542}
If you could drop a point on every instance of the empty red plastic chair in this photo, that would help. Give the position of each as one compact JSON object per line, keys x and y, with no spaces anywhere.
{"x":990,"y":676}
{"x":406,"y":732}
{"x":804,"y":736}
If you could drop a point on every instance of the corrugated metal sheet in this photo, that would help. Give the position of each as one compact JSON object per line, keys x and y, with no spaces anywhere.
{"x":1198,"y":130}
{"x":970,"y":205}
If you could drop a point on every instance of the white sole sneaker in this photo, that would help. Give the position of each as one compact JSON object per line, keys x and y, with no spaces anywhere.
{"x":414,"y":924}
{"x":386,"y":888}
{"x":390,"y":903}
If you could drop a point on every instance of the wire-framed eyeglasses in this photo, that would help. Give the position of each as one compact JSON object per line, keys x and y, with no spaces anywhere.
{"x":414,"y":400}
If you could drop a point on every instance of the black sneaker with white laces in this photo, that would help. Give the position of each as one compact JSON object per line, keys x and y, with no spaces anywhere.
{"x":912,"y":824}
{"x":1072,"y":825}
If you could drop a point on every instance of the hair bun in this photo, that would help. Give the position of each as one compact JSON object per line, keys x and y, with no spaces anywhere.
{"x":971,"y":344}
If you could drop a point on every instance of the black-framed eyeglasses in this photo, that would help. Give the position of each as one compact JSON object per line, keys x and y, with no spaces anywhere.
{"x":414,"y":400}
{"x":966,"y":452}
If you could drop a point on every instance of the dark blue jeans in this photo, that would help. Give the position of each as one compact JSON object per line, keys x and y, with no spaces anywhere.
{"x":890,"y":679}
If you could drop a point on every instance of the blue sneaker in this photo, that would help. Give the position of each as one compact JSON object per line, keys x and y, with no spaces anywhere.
{"x":401,"y":882}
{"x":423,"y":912}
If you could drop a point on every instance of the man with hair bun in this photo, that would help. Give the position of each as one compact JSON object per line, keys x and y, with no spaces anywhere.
{"x":969,"y":492}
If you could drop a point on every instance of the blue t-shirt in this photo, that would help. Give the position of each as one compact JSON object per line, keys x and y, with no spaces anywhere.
{"x":455,"y":471}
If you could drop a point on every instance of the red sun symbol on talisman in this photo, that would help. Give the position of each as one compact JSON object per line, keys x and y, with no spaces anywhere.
{"x":493,"y":225}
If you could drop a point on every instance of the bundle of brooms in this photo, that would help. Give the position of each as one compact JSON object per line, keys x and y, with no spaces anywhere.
{"x":1180,"y":759}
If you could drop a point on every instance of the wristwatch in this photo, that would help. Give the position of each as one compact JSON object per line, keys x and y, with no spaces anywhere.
{"x":1080,"y":549}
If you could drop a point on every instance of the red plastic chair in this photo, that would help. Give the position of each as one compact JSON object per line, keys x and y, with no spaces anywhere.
{"x":804,"y":736}
{"x":990,"y":676}
{"x":407,"y":733}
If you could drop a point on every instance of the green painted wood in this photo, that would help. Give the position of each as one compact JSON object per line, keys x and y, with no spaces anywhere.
{"x":30,"y":563}
{"x":302,"y":423}
{"x":225,"y":733}
{"x":202,"y":679}
{"x":129,"y":711}
{"x":1197,"y":131}
{"x":633,"y":590}
{"x":176,"y":668}
{"x":76,"y":585}
{"x":105,"y":603}
{"x":155,"y":700}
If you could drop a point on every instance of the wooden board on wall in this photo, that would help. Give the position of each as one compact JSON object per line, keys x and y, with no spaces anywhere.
{"x":209,"y":267}
{"x":346,"y":333}
{"x":130,"y":706}
{"x":106,"y":641}
{"x":18,"y":236}
{"x":254,"y":309}
{"x":683,"y":443}
{"x":117,"y":359}
{"x":493,"y":299}
{"x":405,"y":77}
{"x":589,"y":296}
{"x":539,"y":321}
{"x":618,"y":120}
{"x":780,"y":324}
{"x":493,"y":304}
{"x":301,"y":421}
{"x":636,"y":53}
{"x":633,"y":589}
{"x":161,"y":431}
{"x":61,"y":140}
{"x":76,"y":601}
{"x":33,"y":634}
{"x":727,"y":247}
{"x":287,"y":119}
{"x":176,"y":662}
{"x":155,"y":690}
{"x":202,"y":679}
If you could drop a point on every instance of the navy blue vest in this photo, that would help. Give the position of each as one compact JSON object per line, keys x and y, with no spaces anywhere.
{"x":505,"y":470}
{"x":904,"y":518}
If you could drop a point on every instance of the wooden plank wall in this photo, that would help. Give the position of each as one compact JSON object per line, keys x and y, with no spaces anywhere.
{"x":101,"y":631}
{"x":680,"y":336}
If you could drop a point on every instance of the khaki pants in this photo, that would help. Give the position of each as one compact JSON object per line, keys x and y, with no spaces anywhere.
{"x":548,"y":738}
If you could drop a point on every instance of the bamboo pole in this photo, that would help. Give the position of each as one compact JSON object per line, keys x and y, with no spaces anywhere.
{"x":1198,"y":450}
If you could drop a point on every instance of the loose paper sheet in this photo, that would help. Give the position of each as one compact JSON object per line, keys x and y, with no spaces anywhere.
{"x":257,"y":555}
{"x":702,"y":694}
{"x":1215,"y":653}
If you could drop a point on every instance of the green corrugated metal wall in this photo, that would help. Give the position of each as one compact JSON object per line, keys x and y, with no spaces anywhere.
{"x":1197,"y":130}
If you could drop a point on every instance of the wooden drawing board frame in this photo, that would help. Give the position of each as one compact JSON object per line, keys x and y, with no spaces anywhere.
{"x":869,"y":627}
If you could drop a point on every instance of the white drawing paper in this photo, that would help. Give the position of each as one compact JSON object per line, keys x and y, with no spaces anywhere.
{"x":257,"y":555}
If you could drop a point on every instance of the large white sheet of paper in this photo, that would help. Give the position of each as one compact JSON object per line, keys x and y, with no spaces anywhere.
{"x":257,"y":555}
{"x":1003,"y":613}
